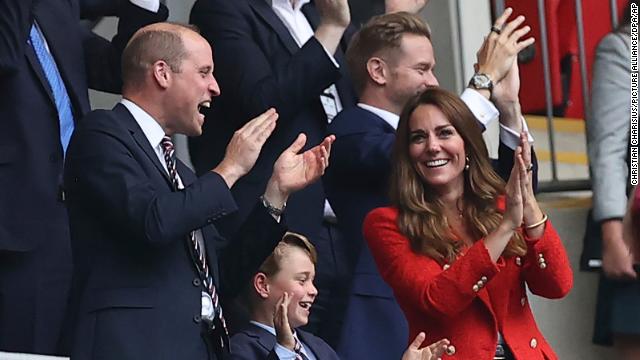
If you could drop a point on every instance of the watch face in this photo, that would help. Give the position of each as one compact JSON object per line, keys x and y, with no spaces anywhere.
{"x":481,"y":81}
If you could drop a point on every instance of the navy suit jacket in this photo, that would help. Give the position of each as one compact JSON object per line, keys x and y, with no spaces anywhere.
{"x":256,"y":343}
{"x":33,"y":220}
{"x":259,"y":65}
{"x":356,"y":183}
{"x":136,"y":289}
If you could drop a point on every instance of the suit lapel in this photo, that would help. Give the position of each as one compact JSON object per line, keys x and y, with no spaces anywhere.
{"x":311,"y":343}
{"x":264,"y":10}
{"x":141,"y":140}
{"x":186,"y":174}
{"x":265,"y":338}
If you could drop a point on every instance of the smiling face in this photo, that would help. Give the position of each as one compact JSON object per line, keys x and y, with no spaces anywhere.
{"x":436,"y":149}
{"x":411,"y":69}
{"x":295,"y":276}
{"x":191,"y":88}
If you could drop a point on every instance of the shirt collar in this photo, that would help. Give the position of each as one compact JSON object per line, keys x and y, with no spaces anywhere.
{"x":270,"y":329}
{"x":150,"y":127}
{"x":391,"y":118}
{"x":287,"y":4}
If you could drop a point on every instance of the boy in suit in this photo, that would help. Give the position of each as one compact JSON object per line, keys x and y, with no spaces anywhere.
{"x":280,"y":299}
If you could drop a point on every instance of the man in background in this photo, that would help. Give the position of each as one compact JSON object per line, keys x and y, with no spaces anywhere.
{"x":47,"y":63}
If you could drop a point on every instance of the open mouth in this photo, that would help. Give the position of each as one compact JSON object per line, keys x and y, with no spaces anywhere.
{"x":305,"y":304}
{"x":436,"y":163}
{"x":204,"y":105}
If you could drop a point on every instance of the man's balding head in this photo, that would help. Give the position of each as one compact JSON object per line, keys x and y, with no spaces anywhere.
{"x":159,"y":41}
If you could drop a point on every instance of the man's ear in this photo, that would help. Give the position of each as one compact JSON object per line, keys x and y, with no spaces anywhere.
{"x":377,"y":70}
{"x":261,"y":285}
{"x":162,"y":73}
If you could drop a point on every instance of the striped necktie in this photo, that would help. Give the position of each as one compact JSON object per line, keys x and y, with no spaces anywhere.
{"x":297,"y":348}
{"x":198,"y":251}
{"x":60,"y":94}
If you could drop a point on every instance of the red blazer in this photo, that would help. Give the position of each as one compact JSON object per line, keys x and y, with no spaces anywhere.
{"x":471,"y":300}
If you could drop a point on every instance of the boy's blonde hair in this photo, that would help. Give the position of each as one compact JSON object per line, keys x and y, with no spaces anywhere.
{"x":271,"y":265}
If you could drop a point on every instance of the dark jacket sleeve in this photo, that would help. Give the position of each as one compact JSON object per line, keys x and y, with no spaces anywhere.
{"x":103,"y":57}
{"x":15,"y":22}
{"x":101,"y":170}
{"x":245,"y":70}
{"x":248,"y":249}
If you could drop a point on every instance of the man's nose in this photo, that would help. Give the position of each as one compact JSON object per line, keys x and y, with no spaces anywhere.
{"x":214,"y":88}
{"x":430,"y":79}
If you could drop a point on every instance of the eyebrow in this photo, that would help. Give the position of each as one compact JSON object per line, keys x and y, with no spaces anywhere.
{"x":438,"y":128}
{"x":206,"y":68}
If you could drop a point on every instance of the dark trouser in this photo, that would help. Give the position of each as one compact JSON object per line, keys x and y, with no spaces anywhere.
{"x":333,"y":279}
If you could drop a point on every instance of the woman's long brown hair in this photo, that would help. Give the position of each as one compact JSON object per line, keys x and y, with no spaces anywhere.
{"x":420,"y":211}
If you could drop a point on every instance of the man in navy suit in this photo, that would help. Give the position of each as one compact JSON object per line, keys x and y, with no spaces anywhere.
{"x":47,"y":62}
{"x":150,"y":266}
{"x":288,"y":55}
{"x":391,"y":59}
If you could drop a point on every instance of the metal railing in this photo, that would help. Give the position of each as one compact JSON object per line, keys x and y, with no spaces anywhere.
{"x":556,"y":184}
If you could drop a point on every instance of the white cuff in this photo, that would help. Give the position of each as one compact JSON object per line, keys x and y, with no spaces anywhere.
{"x":483,"y":109}
{"x":151,"y":5}
{"x":333,"y":60}
{"x":511,"y":138}
{"x":284,"y":353}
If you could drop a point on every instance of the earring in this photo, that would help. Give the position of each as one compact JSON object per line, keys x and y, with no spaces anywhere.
{"x":466,"y":163}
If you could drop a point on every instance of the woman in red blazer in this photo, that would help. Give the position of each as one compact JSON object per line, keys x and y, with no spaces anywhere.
{"x":459,"y":245}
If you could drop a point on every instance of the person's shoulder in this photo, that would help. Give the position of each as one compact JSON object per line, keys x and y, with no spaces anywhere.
{"x":614,"y":41}
{"x":317,"y":342}
{"x":246,"y":338}
{"x":381,"y":214}
{"x":354,"y":119}
{"x":100,"y":119}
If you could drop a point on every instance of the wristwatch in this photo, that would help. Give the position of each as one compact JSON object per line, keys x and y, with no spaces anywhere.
{"x":272,"y":209}
{"x":481,"y":81}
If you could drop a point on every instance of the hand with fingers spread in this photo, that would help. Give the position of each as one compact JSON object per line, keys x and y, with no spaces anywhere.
{"x":410,"y":6}
{"x":293,"y":170}
{"x":501,"y":46}
{"x":245,"y":145}
{"x":431,"y":352}
{"x":284,"y":334}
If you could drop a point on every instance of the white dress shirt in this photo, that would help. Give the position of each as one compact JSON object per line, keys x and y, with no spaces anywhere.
{"x":151,"y":5}
{"x":391,"y":118}
{"x":154,"y":134}
{"x":485,"y":112}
